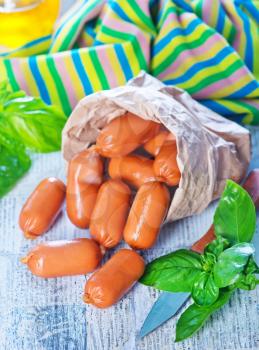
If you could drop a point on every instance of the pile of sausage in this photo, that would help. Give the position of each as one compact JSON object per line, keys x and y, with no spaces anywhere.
{"x":104,"y":203}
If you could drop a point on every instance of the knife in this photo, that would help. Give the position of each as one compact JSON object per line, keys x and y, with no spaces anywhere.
{"x":168,"y":303}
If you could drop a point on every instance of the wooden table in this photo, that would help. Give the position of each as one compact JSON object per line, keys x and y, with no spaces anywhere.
{"x":39,"y":314}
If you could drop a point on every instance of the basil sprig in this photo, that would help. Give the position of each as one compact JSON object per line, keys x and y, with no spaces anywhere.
{"x":26,"y":123}
{"x":226,"y":264}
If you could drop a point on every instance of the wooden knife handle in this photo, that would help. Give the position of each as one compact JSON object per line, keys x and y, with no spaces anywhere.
{"x":251,"y":185}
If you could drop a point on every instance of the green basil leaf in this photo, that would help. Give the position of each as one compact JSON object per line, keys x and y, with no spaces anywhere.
{"x":231,"y":263}
{"x":193,"y":318}
{"x":247,"y":282}
{"x":14,"y":163}
{"x":174,"y":272}
{"x":235,"y":216}
{"x":217,"y":246}
{"x":30,"y":120}
{"x":204,"y":291}
{"x":251,"y":266}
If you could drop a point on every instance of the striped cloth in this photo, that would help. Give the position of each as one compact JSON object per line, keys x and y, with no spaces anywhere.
{"x":207,"y":47}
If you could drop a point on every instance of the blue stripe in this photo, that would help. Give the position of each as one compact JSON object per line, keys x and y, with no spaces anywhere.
{"x":216,"y":107}
{"x":28,"y":45}
{"x":183,"y":5}
{"x":123,"y":61}
{"x":81,"y":72}
{"x":245,"y":90}
{"x":249,"y":43}
{"x":119,"y":11}
{"x":38,"y":78}
{"x":197,"y":67}
{"x":221,"y":19}
{"x":174,"y":33}
{"x":254,"y":12}
{"x":222,"y":110}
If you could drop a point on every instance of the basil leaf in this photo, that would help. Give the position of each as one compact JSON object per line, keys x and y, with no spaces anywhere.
{"x":30,"y":120}
{"x":231,"y":263}
{"x":193,"y":318}
{"x":14,"y":163}
{"x":247,"y":282}
{"x":217,"y":246}
{"x":174,"y":272}
{"x":235,"y":216}
{"x":204,"y":291}
{"x":251,"y":266}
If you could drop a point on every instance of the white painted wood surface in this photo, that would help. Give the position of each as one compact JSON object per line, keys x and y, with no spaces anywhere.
{"x":39,"y":314}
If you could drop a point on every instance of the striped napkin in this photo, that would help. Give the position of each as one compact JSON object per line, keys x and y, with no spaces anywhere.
{"x":206,"y":47}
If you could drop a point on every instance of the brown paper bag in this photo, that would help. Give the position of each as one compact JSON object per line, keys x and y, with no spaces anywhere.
{"x":211,"y":148}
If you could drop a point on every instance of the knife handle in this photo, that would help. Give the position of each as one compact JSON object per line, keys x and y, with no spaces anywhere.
{"x":251,"y":185}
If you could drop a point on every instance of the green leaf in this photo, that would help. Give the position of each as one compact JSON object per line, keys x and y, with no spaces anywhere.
{"x":235,"y":216}
{"x":204,"y":291}
{"x":193,"y":318}
{"x":231,"y":263}
{"x":30,"y":121}
{"x":174,"y":272}
{"x":14,"y":163}
{"x":247,"y":282}
{"x":217,"y":246}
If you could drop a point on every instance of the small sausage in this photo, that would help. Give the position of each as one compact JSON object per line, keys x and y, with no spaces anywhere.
{"x":42,"y":207}
{"x":146,"y":215}
{"x":154,"y":145}
{"x":64,"y":258}
{"x":85,"y":175}
{"x":109,"y":214}
{"x":199,"y":245}
{"x":165,"y":164}
{"x":113,"y":280}
{"x":124,"y":134}
{"x":133,"y":169}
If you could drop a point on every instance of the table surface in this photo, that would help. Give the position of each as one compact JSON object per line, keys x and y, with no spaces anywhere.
{"x":39,"y":314}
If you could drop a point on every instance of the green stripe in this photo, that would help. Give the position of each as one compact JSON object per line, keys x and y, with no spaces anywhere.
{"x":215,"y":77}
{"x":11,"y":75}
{"x":171,"y":58}
{"x":127,"y":37}
{"x":232,"y":35}
{"x":254,"y":111}
{"x":59,"y":85}
{"x":74,"y":28}
{"x":98,"y":68}
{"x":166,"y":13}
{"x":198,"y":8}
{"x":145,"y":19}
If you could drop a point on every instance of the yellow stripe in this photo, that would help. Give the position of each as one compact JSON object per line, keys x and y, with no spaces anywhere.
{"x":190,"y":60}
{"x":178,"y":40}
{"x":131,"y":55}
{"x":3,"y":72}
{"x":48,"y":78}
{"x":75,"y":81}
{"x":92,"y":75}
{"x":28,"y":77}
{"x":30,"y":51}
{"x":116,"y":67}
{"x":133,"y":16}
{"x":223,"y":66}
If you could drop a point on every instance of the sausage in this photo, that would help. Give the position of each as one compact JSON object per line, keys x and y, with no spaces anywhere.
{"x":42,"y":207}
{"x":146,"y":215}
{"x":109,"y":214}
{"x":154,"y":145}
{"x":165,"y":164}
{"x":133,"y":169}
{"x":113,"y":280}
{"x":209,"y":236}
{"x":64,"y":258}
{"x":85,"y":175}
{"x":124,"y":134}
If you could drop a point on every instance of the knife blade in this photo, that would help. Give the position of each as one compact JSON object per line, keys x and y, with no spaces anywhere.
{"x":168,"y":303}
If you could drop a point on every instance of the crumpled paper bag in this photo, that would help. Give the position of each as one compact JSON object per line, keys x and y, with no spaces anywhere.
{"x":211,"y":148}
